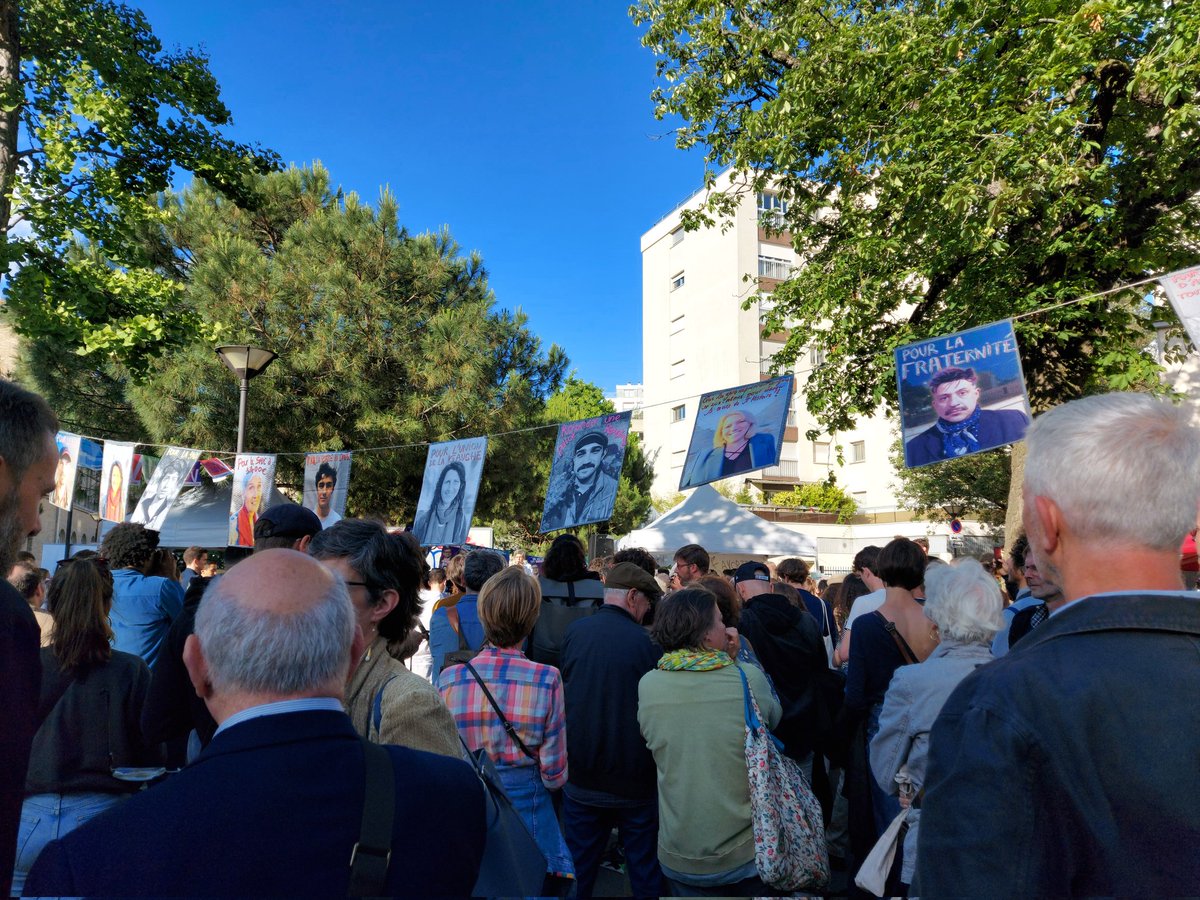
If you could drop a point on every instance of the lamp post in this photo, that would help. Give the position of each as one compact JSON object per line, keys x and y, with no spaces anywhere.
{"x":245,"y":362}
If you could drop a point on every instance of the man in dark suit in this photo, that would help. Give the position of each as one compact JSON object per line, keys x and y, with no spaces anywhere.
{"x":28,"y":460}
{"x":962,"y":427}
{"x":274,"y":804}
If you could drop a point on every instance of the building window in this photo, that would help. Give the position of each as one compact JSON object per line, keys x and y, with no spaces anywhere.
{"x":821,"y":453}
{"x":816,"y":357}
{"x":677,"y":236}
{"x":771,"y":209}
{"x":677,"y":281}
{"x":773,"y":267}
{"x":679,"y":413}
{"x":858,"y":451}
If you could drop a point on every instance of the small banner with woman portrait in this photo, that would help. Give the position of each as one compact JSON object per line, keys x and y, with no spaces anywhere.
{"x":168,"y":479}
{"x":449,"y":491}
{"x":253,"y":482}
{"x":737,"y":430}
{"x":588,"y":457}
{"x":326,"y":481}
{"x":64,"y":474}
{"x":961,"y":394}
{"x":114,"y":480}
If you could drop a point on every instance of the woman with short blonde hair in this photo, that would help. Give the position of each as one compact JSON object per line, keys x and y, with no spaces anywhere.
{"x":528,"y":696}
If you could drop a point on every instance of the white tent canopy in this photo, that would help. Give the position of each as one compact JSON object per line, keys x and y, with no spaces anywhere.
{"x":721,"y":527}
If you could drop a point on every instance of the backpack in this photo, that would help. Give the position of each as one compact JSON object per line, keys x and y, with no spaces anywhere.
{"x":557,"y":613}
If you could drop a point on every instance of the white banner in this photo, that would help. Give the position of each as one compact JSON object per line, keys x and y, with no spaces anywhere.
{"x":1183,"y":290}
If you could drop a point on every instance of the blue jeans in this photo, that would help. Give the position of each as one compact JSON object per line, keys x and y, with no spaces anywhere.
{"x":47,"y":817}
{"x":529,"y":797}
{"x":587,"y":828}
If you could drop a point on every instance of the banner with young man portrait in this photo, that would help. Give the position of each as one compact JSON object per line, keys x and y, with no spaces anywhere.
{"x":326,"y":483}
{"x":168,"y":479}
{"x":961,"y":394}
{"x":588,"y":457}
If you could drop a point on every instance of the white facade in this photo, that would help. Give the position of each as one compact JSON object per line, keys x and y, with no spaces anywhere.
{"x":696,"y":338}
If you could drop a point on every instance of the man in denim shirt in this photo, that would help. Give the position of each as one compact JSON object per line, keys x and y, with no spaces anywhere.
{"x":144,"y":606}
{"x":1068,"y":767}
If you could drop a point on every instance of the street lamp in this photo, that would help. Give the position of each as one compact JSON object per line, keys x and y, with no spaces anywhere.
{"x":245,"y":362}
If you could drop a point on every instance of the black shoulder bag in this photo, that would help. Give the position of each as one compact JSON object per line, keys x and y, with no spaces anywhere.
{"x":373,"y":850}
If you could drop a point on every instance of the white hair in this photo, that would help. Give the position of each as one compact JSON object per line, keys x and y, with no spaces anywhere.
{"x":964,"y":601}
{"x":263,"y":652}
{"x":1122,"y":468}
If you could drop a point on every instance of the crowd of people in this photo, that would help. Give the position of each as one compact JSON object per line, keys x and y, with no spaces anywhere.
{"x":196,"y":732}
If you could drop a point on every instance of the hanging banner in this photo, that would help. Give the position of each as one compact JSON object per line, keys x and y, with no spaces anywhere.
{"x":64,"y":474}
{"x":114,"y":480}
{"x":449,"y":491}
{"x":326,"y":482}
{"x":961,"y":394}
{"x":737,"y":430}
{"x":1183,"y":290}
{"x":253,"y":481}
{"x":588,"y":456}
{"x":169,"y":476}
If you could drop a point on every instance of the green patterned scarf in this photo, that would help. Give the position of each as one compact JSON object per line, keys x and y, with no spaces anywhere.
{"x":694,"y":660}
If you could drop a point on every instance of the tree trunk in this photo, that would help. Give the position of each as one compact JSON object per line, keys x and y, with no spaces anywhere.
{"x":1012,"y":517}
{"x":11,"y":98}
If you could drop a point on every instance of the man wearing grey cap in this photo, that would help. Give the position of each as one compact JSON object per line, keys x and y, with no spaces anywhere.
{"x":590,"y":492}
{"x":611,"y":775}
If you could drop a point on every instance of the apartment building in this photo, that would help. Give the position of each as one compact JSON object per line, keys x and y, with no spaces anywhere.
{"x":696,"y":337}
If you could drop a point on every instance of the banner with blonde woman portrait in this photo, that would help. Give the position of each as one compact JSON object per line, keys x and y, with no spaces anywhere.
{"x":737,"y":430}
{"x":253,"y":482}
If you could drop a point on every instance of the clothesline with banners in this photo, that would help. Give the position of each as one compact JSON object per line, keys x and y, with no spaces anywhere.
{"x":959,"y":394}
{"x":1188,"y":289}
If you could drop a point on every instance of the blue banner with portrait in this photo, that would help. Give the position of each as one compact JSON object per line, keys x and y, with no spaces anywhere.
{"x":588,"y":456}
{"x":737,"y":430}
{"x":961,"y":394}
{"x":449,"y":491}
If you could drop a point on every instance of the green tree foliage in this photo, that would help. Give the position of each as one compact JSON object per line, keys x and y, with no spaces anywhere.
{"x":825,"y":496}
{"x":577,"y":399}
{"x":979,"y":483}
{"x":948,"y":164}
{"x":95,"y":119}
{"x":385,"y":339}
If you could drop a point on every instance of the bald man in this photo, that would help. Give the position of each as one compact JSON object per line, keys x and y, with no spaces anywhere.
{"x":274,"y":804}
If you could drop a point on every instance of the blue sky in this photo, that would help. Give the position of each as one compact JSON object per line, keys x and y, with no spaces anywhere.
{"x":526,"y":127}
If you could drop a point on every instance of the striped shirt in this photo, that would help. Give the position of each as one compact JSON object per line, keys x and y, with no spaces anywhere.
{"x":531,"y":696}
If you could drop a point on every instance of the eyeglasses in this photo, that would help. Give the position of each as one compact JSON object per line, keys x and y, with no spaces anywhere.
{"x":357,"y":584}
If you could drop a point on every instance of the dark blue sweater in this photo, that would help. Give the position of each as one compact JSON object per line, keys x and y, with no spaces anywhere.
{"x":603,"y":658}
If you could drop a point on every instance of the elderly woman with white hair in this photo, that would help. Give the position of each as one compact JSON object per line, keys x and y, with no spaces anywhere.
{"x":963,"y":602}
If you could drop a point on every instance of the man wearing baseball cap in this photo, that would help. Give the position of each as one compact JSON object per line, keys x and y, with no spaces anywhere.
{"x":590,"y":493}
{"x":611,"y":775}
{"x":788,"y":642}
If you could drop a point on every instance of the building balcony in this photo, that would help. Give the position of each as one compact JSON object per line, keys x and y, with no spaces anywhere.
{"x":771,"y":236}
{"x":787,"y":471}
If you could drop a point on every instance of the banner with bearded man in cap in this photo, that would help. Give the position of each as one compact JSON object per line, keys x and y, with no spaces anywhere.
{"x":588,"y":456}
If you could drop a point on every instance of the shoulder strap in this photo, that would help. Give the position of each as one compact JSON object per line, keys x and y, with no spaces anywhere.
{"x":902,"y":645}
{"x":373,"y":851}
{"x":456,"y":624}
{"x":571,"y":590}
{"x":508,"y":726}
{"x":377,"y":704}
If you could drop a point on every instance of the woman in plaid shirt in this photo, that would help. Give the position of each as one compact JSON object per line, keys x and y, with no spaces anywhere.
{"x":532,"y":759}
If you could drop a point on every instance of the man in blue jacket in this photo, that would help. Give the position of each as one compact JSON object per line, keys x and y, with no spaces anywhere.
{"x":274,"y":804}
{"x":612,"y":782}
{"x":1068,"y":767}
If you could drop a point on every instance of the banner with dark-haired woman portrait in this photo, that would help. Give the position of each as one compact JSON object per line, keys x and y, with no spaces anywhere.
{"x":115,"y":474}
{"x":449,"y":491}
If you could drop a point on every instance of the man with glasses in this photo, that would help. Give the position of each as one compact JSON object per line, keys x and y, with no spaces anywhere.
{"x":691,"y":563}
{"x":611,"y":774}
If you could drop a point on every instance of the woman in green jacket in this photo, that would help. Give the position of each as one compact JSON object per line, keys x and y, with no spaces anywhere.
{"x":691,"y":713}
